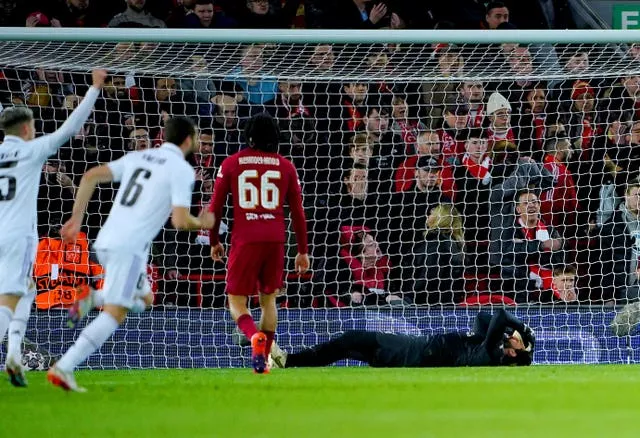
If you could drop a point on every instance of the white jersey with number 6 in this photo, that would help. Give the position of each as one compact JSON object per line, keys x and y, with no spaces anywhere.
{"x":151,"y":183}
{"x":20,"y":168}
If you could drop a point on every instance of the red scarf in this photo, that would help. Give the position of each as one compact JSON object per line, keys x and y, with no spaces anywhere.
{"x":538,"y":123}
{"x":478,"y":171}
{"x":587,"y":136}
{"x":542,"y":276}
{"x":476,"y":117}
{"x":493,"y":136}
{"x":409,"y":133}
{"x":355,"y":118}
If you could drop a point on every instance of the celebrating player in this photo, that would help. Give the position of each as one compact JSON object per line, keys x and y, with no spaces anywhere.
{"x":154,"y":183}
{"x":501,"y":339}
{"x":21,"y":159}
{"x":260,"y":181}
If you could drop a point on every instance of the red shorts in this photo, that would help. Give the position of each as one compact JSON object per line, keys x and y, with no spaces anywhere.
{"x":255,"y":267}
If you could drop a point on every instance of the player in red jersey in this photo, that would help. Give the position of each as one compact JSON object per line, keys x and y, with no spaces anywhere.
{"x":260,"y":181}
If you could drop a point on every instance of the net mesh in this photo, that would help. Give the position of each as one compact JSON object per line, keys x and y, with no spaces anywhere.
{"x":436,"y":178}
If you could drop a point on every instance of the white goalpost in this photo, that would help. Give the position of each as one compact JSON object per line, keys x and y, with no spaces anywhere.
{"x":443,"y":172}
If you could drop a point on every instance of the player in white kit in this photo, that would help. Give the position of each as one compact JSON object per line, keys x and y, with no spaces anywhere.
{"x":21,"y":159}
{"x":154,"y":184}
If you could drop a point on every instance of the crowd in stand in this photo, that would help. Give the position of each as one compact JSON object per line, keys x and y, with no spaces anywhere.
{"x":438,"y":192}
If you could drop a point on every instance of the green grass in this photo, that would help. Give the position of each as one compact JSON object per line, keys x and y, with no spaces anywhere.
{"x":571,"y":401}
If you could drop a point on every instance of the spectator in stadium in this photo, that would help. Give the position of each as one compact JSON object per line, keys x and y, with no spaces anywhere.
{"x":472,"y":94}
{"x":408,"y":210}
{"x":136,"y":14}
{"x":63,"y":13}
{"x":352,"y":111}
{"x":448,"y":61}
{"x":226,"y":127}
{"x":532,"y":119}
{"x":560,"y":287}
{"x":451,"y":133}
{"x":582,"y":119}
{"x":497,"y":13}
{"x":139,"y":140}
{"x":197,"y":92}
{"x":365,"y":270}
{"x":322,"y":58}
{"x":205,"y":16}
{"x":433,"y":269}
{"x":263,"y":14}
{"x":360,"y":150}
{"x":55,"y":195}
{"x":622,"y":100}
{"x":499,"y":117}
{"x":162,"y":101}
{"x":427,"y":145}
{"x":403,"y":125}
{"x":181,"y":9}
{"x":523,"y":245}
{"x":623,"y":148}
{"x":559,"y":206}
{"x":388,"y":149}
{"x":355,"y":14}
{"x":614,"y":267}
{"x":203,"y":159}
{"x":473,"y":182}
{"x":297,"y":123}
{"x":254,"y":92}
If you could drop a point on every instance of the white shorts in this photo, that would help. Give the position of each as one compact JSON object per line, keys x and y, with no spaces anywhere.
{"x":125,"y":277}
{"x":16,"y":265}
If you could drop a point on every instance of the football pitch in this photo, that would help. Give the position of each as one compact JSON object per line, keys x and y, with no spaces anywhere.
{"x":540,"y":401}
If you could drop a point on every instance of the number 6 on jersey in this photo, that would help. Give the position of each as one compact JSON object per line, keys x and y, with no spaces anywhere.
{"x":266,"y":196}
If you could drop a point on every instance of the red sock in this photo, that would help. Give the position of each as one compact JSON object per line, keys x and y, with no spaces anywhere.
{"x":247,"y":326}
{"x":270,"y":336}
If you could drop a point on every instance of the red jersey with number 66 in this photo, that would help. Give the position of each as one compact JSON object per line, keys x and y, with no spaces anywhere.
{"x":260,"y":184}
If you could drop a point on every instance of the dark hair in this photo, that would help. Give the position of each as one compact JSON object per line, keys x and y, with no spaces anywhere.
{"x":15,"y":116}
{"x":495,"y":5}
{"x":524,"y":191}
{"x":204,"y":2}
{"x":262,"y":133}
{"x":178,"y":129}
{"x":350,"y":166}
{"x":565,"y":270}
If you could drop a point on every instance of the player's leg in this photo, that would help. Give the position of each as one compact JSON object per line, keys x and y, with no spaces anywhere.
{"x":17,"y":330}
{"x":270,"y":280}
{"x":124,"y":282}
{"x":16,"y":296}
{"x":354,"y":344}
{"x":94,"y":298}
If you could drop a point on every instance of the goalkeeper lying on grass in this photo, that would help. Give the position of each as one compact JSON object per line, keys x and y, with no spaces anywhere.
{"x":498,"y":340}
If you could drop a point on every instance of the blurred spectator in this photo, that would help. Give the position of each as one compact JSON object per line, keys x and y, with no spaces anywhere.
{"x":262,"y":14}
{"x":203,"y":159}
{"x":136,"y":14}
{"x":409,"y":209}
{"x":622,"y":100}
{"x":428,"y":145}
{"x":139,"y":140}
{"x":532,"y":120}
{"x":499,"y":116}
{"x":435,"y":273}
{"x":360,"y":150}
{"x":524,"y":246}
{"x":181,"y":10}
{"x":434,"y":96}
{"x":204,"y":16}
{"x":225,"y":127}
{"x":473,"y":182}
{"x":254,"y":91}
{"x":559,"y":286}
{"x":497,"y":13}
{"x":402,"y":125}
{"x":614,"y":266}
{"x":355,"y":14}
{"x":198,"y":91}
{"x":472,"y":94}
{"x":455,"y":120}
{"x":366,"y":268}
{"x":559,"y":205}
{"x":62,"y":13}
{"x":323,"y":58}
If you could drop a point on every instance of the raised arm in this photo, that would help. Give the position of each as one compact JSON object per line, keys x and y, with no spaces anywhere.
{"x":500,"y":322}
{"x":77,"y":118}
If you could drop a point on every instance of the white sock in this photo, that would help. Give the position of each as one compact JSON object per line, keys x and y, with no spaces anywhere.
{"x":97,"y":297}
{"x":89,"y":341}
{"x":18,"y":326}
{"x":139,"y":306}
{"x":5,"y":319}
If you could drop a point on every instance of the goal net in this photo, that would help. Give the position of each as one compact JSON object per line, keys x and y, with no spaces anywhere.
{"x":439,"y":179}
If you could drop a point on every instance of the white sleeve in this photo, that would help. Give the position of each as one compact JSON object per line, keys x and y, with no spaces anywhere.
{"x":49,"y":144}
{"x":182,"y":186}
{"x":117,"y":168}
